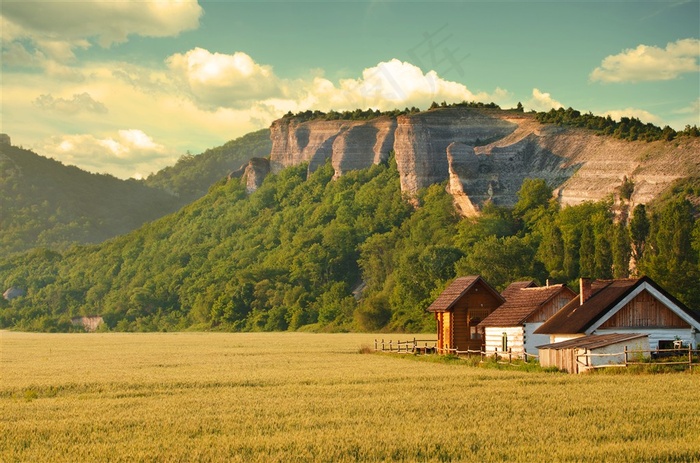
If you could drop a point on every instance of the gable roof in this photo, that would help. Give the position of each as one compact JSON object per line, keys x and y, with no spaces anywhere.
{"x":456,"y":290}
{"x":594,"y":341}
{"x":520,"y":304}
{"x":606,"y":294}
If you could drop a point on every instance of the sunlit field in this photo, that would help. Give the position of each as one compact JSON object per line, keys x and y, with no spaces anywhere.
{"x":313,"y":397}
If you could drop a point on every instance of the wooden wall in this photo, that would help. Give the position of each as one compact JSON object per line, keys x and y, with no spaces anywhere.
{"x":645,"y":311}
{"x":551,"y":307}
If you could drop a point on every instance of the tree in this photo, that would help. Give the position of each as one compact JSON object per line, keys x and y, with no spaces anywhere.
{"x":639,"y":230}
{"x":621,"y":251}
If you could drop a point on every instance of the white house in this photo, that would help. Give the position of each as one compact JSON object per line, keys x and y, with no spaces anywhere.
{"x":625,"y":306}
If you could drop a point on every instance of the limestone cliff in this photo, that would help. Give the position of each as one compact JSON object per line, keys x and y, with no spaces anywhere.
{"x":485,"y":154}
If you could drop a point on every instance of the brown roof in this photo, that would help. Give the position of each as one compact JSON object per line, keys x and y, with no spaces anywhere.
{"x":594,"y":341}
{"x":456,"y":290}
{"x":575,"y":318}
{"x":520,"y":304}
{"x":517,"y":286}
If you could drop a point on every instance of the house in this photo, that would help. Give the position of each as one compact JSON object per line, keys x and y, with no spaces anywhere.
{"x":460,"y":308}
{"x":90,"y":323}
{"x":624,"y":306}
{"x":585,"y":353}
{"x":511,"y":326}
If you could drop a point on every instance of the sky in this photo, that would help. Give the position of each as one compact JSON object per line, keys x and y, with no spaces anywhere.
{"x":128,"y":87}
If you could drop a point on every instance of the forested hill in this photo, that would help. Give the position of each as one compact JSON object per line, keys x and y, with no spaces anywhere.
{"x":344,"y":254}
{"x":192,"y":176}
{"x":44,"y":203}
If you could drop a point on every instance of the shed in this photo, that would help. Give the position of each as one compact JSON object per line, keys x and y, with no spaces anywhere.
{"x":512,"y":325}
{"x":89,"y":323}
{"x":460,"y":308}
{"x":636,"y":305}
{"x":588,"y":352}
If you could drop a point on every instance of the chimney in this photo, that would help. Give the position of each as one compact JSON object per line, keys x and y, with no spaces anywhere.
{"x":584,"y":289}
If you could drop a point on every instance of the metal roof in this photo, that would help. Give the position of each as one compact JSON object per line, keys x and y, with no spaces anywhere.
{"x":594,"y":341}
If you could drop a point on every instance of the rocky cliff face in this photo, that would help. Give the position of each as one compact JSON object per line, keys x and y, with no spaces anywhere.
{"x":349,"y":144}
{"x":485,"y":154}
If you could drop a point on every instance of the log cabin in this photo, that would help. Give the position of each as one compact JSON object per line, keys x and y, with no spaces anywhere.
{"x":621,"y":306}
{"x":459,"y":309}
{"x":511,"y":327}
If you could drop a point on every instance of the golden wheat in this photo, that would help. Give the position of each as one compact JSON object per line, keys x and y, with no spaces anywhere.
{"x":312,"y":397}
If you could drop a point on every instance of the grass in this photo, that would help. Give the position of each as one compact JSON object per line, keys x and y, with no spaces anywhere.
{"x":315,"y":397}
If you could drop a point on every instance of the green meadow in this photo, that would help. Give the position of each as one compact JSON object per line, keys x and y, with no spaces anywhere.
{"x":290,"y":397}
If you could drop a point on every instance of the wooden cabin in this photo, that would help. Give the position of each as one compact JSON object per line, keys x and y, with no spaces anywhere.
{"x":624,"y":306}
{"x":511,"y":327}
{"x":460,"y":308}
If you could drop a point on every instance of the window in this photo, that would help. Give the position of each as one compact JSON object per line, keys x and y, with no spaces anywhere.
{"x":504,"y":341}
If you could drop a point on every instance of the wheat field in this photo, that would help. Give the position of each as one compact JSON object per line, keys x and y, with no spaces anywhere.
{"x":293,"y":397}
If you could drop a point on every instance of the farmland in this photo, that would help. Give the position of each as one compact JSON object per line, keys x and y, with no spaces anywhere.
{"x":313,"y":397}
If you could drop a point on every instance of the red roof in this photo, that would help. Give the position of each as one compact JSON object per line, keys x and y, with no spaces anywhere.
{"x":520,"y":304}
{"x":456,"y":290}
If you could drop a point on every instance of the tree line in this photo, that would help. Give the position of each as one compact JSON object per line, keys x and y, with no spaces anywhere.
{"x":313,"y":253}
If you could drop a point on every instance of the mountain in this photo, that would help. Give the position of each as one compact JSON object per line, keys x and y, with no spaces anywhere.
{"x":321,"y":243}
{"x":47,"y":204}
{"x":486,"y":153}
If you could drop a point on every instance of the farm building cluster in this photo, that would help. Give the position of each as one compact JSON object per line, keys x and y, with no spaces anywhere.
{"x":560,"y":327}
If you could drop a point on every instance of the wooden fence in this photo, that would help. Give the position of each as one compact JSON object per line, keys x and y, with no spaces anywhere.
{"x":631,"y":357}
{"x":412,"y":346}
{"x":637,"y":357}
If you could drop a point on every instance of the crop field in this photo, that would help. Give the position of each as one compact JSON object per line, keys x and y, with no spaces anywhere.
{"x":313,"y":397}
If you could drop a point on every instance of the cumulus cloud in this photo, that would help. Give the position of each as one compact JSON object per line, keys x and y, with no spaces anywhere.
{"x":221,"y":80}
{"x":46,"y":34}
{"x":641,"y":114}
{"x":127,"y":154}
{"x":81,"y":102}
{"x":650,"y":63}
{"x":542,"y":101}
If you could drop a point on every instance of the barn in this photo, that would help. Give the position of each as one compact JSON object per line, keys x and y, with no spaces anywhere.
{"x":622,"y":306}
{"x":459,"y":309}
{"x":588,"y":352}
{"x":511,"y":326}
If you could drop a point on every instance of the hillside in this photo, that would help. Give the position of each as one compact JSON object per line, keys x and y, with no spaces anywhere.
{"x":318,"y":253}
{"x":47,"y":204}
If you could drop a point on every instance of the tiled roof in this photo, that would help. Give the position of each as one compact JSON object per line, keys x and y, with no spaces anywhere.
{"x":520,"y":304}
{"x":575,"y":318}
{"x":517,"y":286}
{"x":455,"y":291}
{"x":594,"y":341}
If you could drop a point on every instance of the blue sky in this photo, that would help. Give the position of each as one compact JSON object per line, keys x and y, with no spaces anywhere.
{"x":127,"y":87}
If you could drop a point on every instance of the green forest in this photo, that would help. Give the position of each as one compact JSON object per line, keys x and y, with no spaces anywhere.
{"x":44,"y":203}
{"x":306,"y":252}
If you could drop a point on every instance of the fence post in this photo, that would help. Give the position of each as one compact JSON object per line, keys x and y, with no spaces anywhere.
{"x":690,"y":356}
{"x":510,"y":355}
{"x":382,"y":344}
{"x":375,"y":344}
{"x":391,"y":348}
{"x":625,"y":356}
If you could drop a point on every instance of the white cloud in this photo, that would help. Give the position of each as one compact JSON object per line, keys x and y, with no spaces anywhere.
{"x":650,"y":63}
{"x":542,"y":101}
{"x":218,"y":80}
{"x":58,"y":26}
{"x":125,"y":154}
{"x":641,"y":114}
{"x":81,"y":102}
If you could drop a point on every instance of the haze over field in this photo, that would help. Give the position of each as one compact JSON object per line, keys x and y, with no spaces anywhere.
{"x":126,"y":88}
